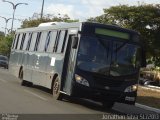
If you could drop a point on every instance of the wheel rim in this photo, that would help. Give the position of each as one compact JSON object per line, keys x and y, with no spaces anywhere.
{"x":56,"y":88}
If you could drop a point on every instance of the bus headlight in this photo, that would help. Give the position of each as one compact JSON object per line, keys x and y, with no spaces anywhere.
{"x":131,"y":88}
{"x":81,"y":80}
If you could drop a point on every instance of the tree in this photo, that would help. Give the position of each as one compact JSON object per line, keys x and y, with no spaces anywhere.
{"x":144,"y":18}
{"x":35,"y":20}
{"x":5,"y":44}
{"x":1,"y":34}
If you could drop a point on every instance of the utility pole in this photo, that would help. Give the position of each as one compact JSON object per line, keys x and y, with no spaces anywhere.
{"x":14,"y":8}
{"x":6,"y":21}
{"x":42,"y":9}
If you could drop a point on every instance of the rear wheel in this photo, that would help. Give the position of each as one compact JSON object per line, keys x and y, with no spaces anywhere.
{"x":56,"y":90}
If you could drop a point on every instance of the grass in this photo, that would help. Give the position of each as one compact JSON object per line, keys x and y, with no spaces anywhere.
{"x":148,"y":97}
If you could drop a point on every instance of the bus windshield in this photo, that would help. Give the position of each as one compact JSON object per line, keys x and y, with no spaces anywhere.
{"x":107,"y":57}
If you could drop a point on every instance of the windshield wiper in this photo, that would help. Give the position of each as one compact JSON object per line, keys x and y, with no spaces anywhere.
{"x":104,"y":45}
{"x":117,"y":49}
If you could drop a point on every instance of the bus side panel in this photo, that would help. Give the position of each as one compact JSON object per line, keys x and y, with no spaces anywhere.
{"x":14,"y":65}
{"x":27,"y":69}
{"x":54,"y":66}
{"x":11,"y":63}
{"x":39,"y":69}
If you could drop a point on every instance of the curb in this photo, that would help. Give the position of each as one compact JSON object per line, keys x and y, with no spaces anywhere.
{"x":148,"y":108}
{"x":149,"y":88}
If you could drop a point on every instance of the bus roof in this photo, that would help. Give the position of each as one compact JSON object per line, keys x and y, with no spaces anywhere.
{"x":70,"y":25}
{"x":58,"y":26}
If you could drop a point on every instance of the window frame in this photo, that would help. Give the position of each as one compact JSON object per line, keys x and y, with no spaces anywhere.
{"x":14,"y":41}
{"x":38,"y":38}
{"x":22,"y":41}
{"x":51,"y":45}
{"x":29,"y":41}
{"x":17,"y":41}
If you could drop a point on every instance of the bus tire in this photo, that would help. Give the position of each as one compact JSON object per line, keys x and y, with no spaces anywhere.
{"x":56,"y":90}
{"x":107,"y":105}
{"x":24,"y":83}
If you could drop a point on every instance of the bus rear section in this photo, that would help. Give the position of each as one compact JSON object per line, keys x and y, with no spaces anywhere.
{"x":107,"y":64}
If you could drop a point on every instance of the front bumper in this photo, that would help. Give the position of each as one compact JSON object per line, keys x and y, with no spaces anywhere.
{"x":101,"y":94}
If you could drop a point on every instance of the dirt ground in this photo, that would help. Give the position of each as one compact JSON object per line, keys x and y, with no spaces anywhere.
{"x":148,"y":97}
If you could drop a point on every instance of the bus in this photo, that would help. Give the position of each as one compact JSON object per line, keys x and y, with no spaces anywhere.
{"x":86,"y":60}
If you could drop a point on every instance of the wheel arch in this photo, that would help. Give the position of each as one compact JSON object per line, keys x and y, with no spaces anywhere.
{"x":53,"y":79}
{"x":21,"y":68}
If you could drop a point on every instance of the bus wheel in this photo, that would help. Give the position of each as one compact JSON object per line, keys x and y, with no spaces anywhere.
{"x":107,"y":105}
{"x":56,"y":90}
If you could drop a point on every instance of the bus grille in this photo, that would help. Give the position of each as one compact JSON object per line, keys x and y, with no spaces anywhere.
{"x":102,"y":82}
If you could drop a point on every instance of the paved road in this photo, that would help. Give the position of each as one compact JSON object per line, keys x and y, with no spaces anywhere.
{"x":18,"y":99}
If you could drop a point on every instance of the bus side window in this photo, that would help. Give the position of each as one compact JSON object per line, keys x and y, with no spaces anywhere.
{"x":53,"y":37}
{"x":26,"y":41}
{"x":61,"y":41}
{"x":56,"y":42}
{"x":37,"y":41}
{"x":29,"y":41}
{"x":14,"y":40}
{"x":42,"y":41}
{"x":48,"y":38}
{"x":17,"y":41}
{"x":33,"y":41}
{"x":64,"y":42}
{"x":22,"y":42}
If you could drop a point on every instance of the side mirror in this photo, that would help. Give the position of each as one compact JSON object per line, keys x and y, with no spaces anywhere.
{"x":74,"y":42}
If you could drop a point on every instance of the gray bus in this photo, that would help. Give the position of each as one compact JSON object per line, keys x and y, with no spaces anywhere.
{"x":88,"y":60}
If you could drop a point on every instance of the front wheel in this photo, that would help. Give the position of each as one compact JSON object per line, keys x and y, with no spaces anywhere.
{"x":56,"y":90}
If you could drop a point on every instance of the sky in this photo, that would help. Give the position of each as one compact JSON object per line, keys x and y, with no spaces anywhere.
{"x":75,"y":9}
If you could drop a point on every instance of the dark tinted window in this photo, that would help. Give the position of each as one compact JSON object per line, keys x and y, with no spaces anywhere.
{"x":125,"y":58}
{"x":97,"y":61}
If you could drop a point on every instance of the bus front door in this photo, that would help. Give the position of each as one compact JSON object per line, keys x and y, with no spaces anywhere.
{"x":68,"y":67}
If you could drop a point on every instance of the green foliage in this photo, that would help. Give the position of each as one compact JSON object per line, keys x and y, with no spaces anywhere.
{"x":35,"y":21}
{"x":144,"y":18}
{"x":1,"y":34}
{"x":5,"y":44}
